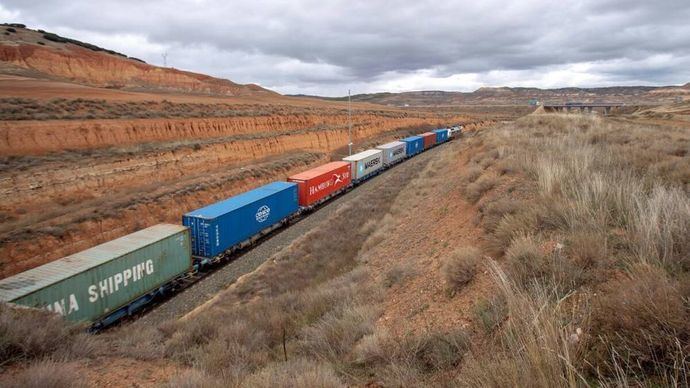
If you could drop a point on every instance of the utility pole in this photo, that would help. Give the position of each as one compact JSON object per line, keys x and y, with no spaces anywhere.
{"x":165,"y":59}
{"x":349,"y":124}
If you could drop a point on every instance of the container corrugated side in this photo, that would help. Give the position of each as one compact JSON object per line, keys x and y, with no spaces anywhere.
{"x":415,"y":145}
{"x":441,"y":135}
{"x":219,"y":227}
{"x":365,"y":163}
{"x":91,"y":284}
{"x":320,"y":182}
{"x":393,"y":151}
{"x":429,"y":139}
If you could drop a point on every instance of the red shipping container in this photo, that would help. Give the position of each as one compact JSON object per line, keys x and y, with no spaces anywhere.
{"x":429,"y":139}
{"x":320,"y":182}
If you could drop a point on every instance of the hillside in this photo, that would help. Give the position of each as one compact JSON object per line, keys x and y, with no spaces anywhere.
{"x":634,"y":95}
{"x":548,"y":251}
{"x":95,"y":145}
{"x":42,"y":54}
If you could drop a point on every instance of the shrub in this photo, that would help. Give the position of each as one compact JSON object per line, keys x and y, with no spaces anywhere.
{"x":491,"y":313}
{"x":473,"y":173}
{"x":48,"y":374}
{"x":492,"y":212}
{"x":336,"y":333}
{"x":194,"y":378}
{"x":538,"y":345}
{"x":299,"y":373}
{"x":474,"y":191}
{"x":434,"y":351}
{"x":643,"y":325}
{"x":397,"y":274}
{"x":526,"y":261}
{"x":22,"y":338}
{"x":521,"y":223}
{"x":460,"y":267}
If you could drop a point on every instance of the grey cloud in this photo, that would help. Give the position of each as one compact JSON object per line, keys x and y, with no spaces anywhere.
{"x":315,"y":43}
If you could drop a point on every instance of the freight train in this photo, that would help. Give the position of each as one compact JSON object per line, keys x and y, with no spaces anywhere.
{"x":108,"y":282}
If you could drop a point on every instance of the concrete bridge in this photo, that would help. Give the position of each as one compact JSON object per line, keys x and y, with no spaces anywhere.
{"x":606,"y":107}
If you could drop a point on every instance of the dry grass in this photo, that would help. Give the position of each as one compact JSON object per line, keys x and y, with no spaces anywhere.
{"x":538,"y":345}
{"x":460,"y":267}
{"x":299,"y":373}
{"x":398,"y":273}
{"x":589,"y":230}
{"x":643,"y":321}
{"x":47,"y":374}
{"x":476,"y":190}
{"x":491,"y":313}
{"x":605,"y":218}
{"x":412,"y":359}
{"x":22,"y":339}
{"x":311,"y":303}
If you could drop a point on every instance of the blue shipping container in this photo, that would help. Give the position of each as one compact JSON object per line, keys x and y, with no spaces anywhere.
{"x":441,"y":135}
{"x":224,"y":224}
{"x":415,"y":145}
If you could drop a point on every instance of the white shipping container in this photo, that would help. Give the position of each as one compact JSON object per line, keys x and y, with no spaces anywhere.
{"x":365,"y":163}
{"x":393,"y":152}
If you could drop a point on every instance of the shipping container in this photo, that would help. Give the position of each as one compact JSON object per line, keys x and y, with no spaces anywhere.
{"x":365,"y":163}
{"x":318,"y":183}
{"x":393,"y":152}
{"x":225,"y":224}
{"x":414,"y":145}
{"x":441,"y":135}
{"x":93,"y":284}
{"x":429,"y":139}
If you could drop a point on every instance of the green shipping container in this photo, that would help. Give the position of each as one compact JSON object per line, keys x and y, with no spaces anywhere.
{"x":91,"y":284}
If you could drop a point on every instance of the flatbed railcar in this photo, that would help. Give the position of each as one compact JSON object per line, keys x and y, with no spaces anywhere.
{"x":97,"y":285}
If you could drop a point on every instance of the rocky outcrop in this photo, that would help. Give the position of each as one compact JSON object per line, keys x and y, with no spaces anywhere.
{"x":37,"y":137}
{"x":101,"y":69}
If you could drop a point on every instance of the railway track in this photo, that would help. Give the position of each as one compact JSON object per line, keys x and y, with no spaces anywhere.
{"x":201,"y":290}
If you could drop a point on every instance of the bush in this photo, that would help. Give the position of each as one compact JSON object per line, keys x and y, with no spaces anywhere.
{"x":193,"y":378}
{"x":643,"y":325}
{"x":48,"y":374}
{"x":493,"y":212}
{"x":491,"y":313}
{"x":337,"y":333}
{"x":460,"y":267}
{"x":397,"y":273}
{"x":473,"y":173}
{"x":526,"y":261}
{"x":434,"y":351}
{"x":474,"y":191}
{"x":29,"y":333}
{"x":299,"y":373}
{"x":521,"y":223}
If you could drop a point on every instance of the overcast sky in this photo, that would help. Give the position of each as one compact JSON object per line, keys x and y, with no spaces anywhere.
{"x":327,"y":47}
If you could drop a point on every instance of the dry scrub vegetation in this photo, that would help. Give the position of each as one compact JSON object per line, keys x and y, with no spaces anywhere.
{"x":590,"y":222}
{"x":586,"y":224}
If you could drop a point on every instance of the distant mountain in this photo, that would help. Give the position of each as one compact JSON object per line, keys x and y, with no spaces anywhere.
{"x":40,"y":53}
{"x":522,"y":96}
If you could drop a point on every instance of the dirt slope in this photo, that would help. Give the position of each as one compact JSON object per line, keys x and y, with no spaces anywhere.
{"x":36,"y":51}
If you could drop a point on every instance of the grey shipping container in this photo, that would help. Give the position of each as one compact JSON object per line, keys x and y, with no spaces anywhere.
{"x":393,"y":152}
{"x":365,"y":163}
{"x":92,"y":284}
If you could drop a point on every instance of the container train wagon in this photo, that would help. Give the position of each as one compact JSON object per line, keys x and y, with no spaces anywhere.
{"x":108,"y":282}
